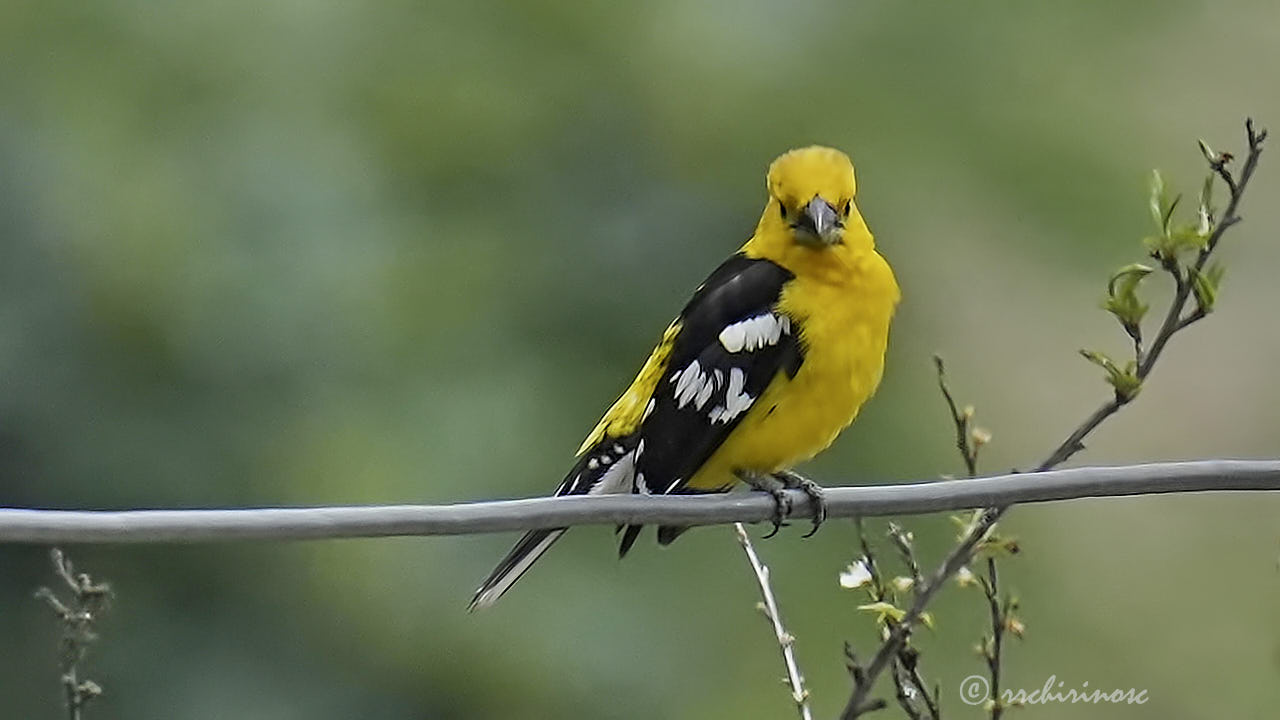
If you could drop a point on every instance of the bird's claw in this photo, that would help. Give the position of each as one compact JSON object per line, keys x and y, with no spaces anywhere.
{"x":781,"y":508}
{"x":777,"y":486}
{"x":814,"y":491}
{"x":777,"y":490}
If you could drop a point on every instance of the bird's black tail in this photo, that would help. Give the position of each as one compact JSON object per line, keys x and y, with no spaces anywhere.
{"x":521,"y":558}
{"x":608,"y":467}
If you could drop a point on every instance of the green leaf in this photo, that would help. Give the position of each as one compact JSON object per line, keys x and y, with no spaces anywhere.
{"x":1209,"y":154}
{"x":1127,"y":383}
{"x":1124,"y":380}
{"x":967,"y":524}
{"x":1158,"y":247}
{"x":884,"y":610}
{"x":1099,"y":359}
{"x":1215,"y":273}
{"x":1126,"y":279}
{"x":998,"y":545}
{"x":1156,"y":199}
{"x":1122,"y":297}
{"x":1205,"y":212}
{"x":1168,"y":213}
{"x":1171,"y":240}
{"x":1205,"y":286}
{"x":1187,"y":237}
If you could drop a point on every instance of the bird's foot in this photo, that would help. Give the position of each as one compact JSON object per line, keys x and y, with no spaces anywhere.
{"x":777,"y":489}
{"x":817,"y":497}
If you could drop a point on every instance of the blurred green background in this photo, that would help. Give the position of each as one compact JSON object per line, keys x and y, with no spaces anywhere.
{"x":320,"y":253}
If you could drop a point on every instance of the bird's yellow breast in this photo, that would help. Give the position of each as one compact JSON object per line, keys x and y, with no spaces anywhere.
{"x":843,"y":310}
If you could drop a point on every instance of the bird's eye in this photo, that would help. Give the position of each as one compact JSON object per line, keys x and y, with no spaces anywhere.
{"x":844,"y":209}
{"x":782,"y":210}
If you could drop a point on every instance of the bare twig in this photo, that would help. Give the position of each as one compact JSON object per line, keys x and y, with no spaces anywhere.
{"x":1176,"y":318}
{"x":78,"y":617}
{"x":993,"y":646}
{"x":860,"y":702}
{"x":907,"y":664}
{"x":1075,"y":441}
{"x":869,"y":559}
{"x":769,"y":606}
{"x":965,"y":433}
{"x":1174,"y":321}
{"x":903,"y":541}
{"x":904,"y":692}
{"x":911,"y":689}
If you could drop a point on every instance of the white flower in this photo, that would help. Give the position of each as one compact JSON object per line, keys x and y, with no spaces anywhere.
{"x":902,"y":583}
{"x":856,"y":575}
{"x":980,"y":436}
{"x":964,"y":577}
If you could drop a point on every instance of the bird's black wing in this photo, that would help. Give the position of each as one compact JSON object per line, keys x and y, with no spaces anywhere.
{"x":732,"y":342}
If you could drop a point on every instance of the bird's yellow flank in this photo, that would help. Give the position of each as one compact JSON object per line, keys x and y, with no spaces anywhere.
{"x":772,"y":357}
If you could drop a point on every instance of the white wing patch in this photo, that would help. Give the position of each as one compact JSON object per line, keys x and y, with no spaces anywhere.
{"x":755,"y":333}
{"x":694,"y":386}
{"x":736,"y":401}
{"x":618,"y":478}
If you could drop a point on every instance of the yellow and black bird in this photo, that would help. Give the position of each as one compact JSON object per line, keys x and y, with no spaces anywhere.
{"x":767,"y":363}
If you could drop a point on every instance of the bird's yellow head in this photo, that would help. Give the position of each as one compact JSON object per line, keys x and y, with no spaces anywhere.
{"x":811,"y":192}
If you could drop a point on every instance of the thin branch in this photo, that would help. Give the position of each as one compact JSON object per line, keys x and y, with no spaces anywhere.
{"x":1075,"y":441}
{"x":910,"y":687}
{"x":192,"y":526}
{"x":1173,"y":319}
{"x":78,"y":617}
{"x":869,"y":560}
{"x":786,"y":641}
{"x":992,"y":651}
{"x":908,"y":660}
{"x":858,"y":702}
{"x":905,"y":690}
{"x":961,"y":420}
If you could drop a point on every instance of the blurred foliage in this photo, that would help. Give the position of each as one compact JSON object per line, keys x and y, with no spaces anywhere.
{"x":406,"y":252}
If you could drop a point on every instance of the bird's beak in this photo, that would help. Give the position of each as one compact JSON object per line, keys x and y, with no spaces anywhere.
{"x":821,"y":220}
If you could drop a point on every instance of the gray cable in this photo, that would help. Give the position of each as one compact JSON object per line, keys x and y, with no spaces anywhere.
{"x":188,"y":526}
